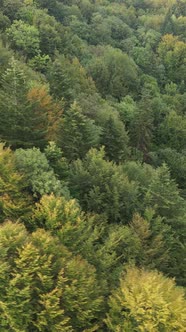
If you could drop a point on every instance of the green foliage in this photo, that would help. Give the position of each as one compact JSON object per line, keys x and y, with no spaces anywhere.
{"x":21,"y":124}
{"x":14,"y":201}
{"x":39,"y":62}
{"x":77,"y":133}
{"x":68,"y":79}
{"x":56,"y":160}
{"x":92,"y":103}
{"x":106,"y":247}
{"x":4,"y":22}
{"x":176,"y":162}
{"x":49,"y":31}
{"x":56,"y":213}
{"x":146,"y":301}
{"x":45,"y":286}
{"x":141,"y":130}
{"x":115,"y":139}
{"x":11,"y":7}
{"x":114,"y":72}
{"x":152,"y":250}
{"x":24,"y":37}
{"x":163,"y":195}
{"x":39,"y":175}
{"x":101,"y":186}
{"x":173,"y":131}
{"x":172,"y":53}
{"x":5,"y":56}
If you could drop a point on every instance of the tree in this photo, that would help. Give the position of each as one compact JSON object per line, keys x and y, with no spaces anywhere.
{"x":31,"y":301}
{"x":51,"y":5}
{"x":146,"y":301}
{"x":153,"y":251}
{"x":24,"y":38}
{"x":22,"y":124}
{"x":56,"y":160}
{"x":77,"y":133}
{"x":49,"y":112}
{"x":108,"y":192}
{"x":11,"y":7}
{"x":104,"y":246}
{"x":141,"y":132}
{"x":5,"y":57}
{"x":163,"y":195}
{"x":172,"y":131}
{"x":4,"y":22}
{"x":15,"y":203}
{"x":115,"y":139}
{"x":57,"y":213}
{"x":176,"y":161}
{"x":68,"y":79}
{"x":40,"y":177}
{"x":114,"y":72}
{"x":101,"y":30}
{"x":49,"y":31}
{"x":172,"y":53}
{"x":46,"y":288}
{"x":144,"y":58}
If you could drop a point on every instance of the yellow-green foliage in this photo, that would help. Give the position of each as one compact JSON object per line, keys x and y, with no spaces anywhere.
{"x":13,"y":202}
{"x":56,"y":212}
{"x":42,"y":286}
{"x":146,"y":301}
{"x":60,"y":215}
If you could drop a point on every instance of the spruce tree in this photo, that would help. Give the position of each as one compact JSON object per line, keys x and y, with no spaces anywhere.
{"x":21,"y":125}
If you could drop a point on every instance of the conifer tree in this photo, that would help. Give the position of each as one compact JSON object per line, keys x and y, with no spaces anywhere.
{"x":102,"y":186}
{"x":21,"y":125}
{"x":163,"y":195}
{"x":77,"y":133}
{"x":114,"y":138}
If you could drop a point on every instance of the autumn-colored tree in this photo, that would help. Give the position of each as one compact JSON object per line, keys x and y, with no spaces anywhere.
{"x":42,"y":103}
{"x":172,"y":52}
{"x":15,"y":203}
{"x":45,"y":286}
{"x":146,"y":301}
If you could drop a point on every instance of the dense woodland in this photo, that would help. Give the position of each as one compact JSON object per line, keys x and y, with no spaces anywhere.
{"x":92,"y":165}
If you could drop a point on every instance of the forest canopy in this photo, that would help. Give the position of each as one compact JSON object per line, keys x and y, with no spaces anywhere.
{"x":92,"y":165}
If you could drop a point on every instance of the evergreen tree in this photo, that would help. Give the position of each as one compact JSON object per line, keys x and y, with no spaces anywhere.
{"x":114,"y":138}
{"x":77,"y":133}
{"x":21,"y":125}
{"x":102,"y":187}
{"x":163,"y":195}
